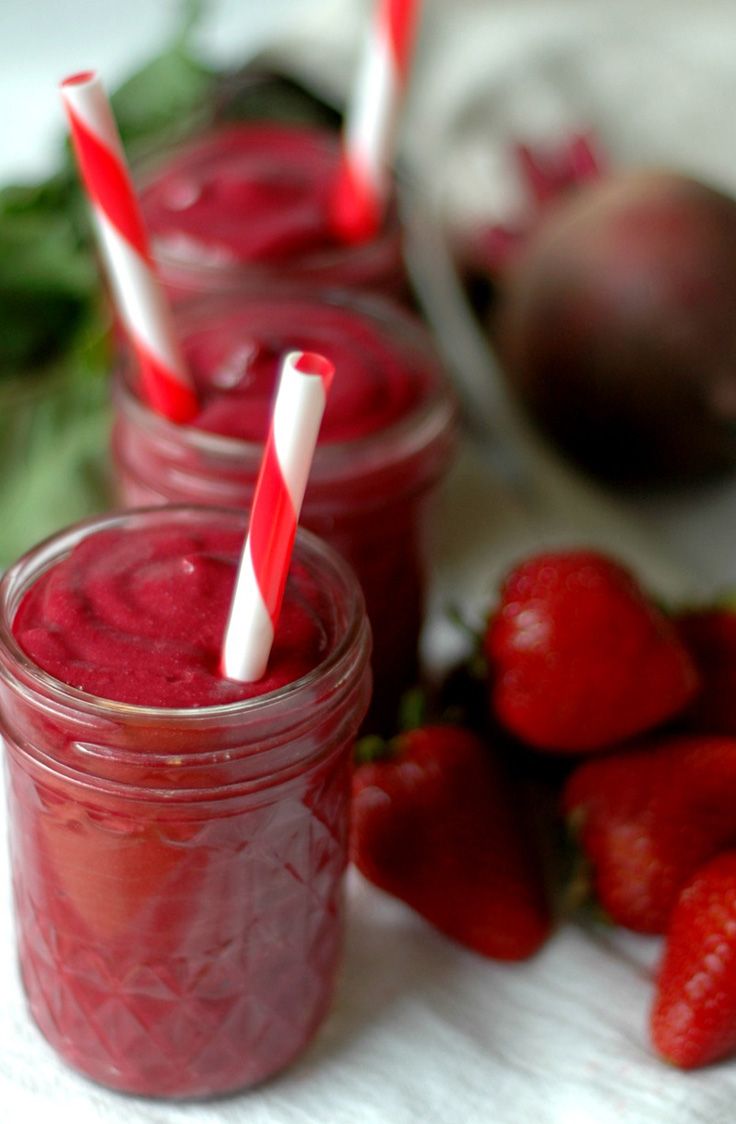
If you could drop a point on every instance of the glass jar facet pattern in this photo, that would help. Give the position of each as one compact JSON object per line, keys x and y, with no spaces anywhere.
{"x":177,"y":874}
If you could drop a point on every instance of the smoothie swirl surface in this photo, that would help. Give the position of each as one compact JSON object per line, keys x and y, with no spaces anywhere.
{"x":138,"y":616}
{"x":234,"y":356}
{"x":277,"y":177}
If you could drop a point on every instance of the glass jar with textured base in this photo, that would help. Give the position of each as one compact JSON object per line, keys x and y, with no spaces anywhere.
{"x":177,"y":871}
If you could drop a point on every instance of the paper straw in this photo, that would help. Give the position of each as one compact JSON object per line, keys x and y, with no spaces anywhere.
{"x":140,"y":298}
{"x":259,"y":588}
{"x":363,"y":181}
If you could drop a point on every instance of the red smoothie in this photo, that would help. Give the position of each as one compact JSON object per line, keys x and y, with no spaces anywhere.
{"x":177,"y":841}
{"x":386,"y":440}
{"x":254,"y":200}
{"x":140,"y":619}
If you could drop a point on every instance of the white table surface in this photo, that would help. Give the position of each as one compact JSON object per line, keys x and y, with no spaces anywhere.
{"x":423,"y":1031}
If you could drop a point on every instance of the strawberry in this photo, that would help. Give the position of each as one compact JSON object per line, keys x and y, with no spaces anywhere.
{"x":579,"y":658}
{"x":710,"y":637}
{"x":434,"y":825}
{"x":647,"y":817}
{"x":693,"y":1020}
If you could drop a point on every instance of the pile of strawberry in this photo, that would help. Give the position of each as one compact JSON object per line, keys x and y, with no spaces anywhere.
{"x":597,"y":712}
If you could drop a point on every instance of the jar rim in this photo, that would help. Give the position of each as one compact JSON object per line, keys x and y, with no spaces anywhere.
{"x":432,"y":419}
{"x":388,"y":239}
{"x":41,"y":557}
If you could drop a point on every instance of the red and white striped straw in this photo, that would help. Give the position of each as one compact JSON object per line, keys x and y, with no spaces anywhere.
{"x":368,"y":142}
{"x":287,"y":458}
{"x":140,"y":298}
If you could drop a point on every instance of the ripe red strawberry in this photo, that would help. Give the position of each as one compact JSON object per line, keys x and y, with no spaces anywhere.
{"x":648,"y":817}
{"x":693,"y":1019}
{"x":710,"y":637}
{"x":579,"y":657}
{"x":435,"y":825}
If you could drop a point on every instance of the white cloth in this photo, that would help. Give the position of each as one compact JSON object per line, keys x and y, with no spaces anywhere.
{"x":423,"y":1031}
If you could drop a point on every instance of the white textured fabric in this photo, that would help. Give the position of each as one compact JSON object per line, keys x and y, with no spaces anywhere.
{"x":423,"y":1032}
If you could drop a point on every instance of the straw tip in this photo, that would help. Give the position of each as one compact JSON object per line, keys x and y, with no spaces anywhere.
{"x":312,"y":363}
{"x":79,"y":78}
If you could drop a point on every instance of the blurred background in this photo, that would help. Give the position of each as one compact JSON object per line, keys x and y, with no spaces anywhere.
{"x":657,"y":78}
{"x":654,"y":82}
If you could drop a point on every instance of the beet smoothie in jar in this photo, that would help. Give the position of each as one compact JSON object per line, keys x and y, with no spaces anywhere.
{"x":253,"y":201}
{"x":177,"y":839}
{"x":386,"y":441}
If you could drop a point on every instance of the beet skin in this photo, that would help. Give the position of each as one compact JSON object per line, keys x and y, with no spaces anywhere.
{"x":617,"y":325}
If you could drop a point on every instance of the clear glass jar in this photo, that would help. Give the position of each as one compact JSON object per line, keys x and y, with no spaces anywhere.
{"x":250,"y":202}
{"x":369,"y":496}
{"x":177,"y":873}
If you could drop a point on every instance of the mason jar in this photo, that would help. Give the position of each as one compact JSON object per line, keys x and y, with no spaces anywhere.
{"x":387,"y":441}
{"x":177,"y":873}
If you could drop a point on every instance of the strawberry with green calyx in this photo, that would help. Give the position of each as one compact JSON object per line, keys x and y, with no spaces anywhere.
{"x":693,"y":1020}
{"x":434,"y":824}
{"x":580,"y":658}
{"x":648,"y":817}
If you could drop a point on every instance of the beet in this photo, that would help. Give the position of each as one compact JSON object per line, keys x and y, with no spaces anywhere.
{"x":616,"y":323}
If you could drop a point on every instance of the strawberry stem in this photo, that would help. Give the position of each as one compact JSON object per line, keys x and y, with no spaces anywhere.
{"x":371,"y":748}
{"x":476,"y":660}
{"x":413,"y":709}
{"x":455,"y":616}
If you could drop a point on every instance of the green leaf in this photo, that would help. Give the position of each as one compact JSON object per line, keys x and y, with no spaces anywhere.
{"x":46,"y":284}
{"x":39,"y":252}
{"x":413,"y":709}
{"x":163,"y":101}
{"x":53,"y":456}
{"x":50,"y":196}
{"x":371,"y":748}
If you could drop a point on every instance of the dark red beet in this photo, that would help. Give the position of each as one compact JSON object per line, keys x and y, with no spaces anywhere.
{"x":617,"y":324}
